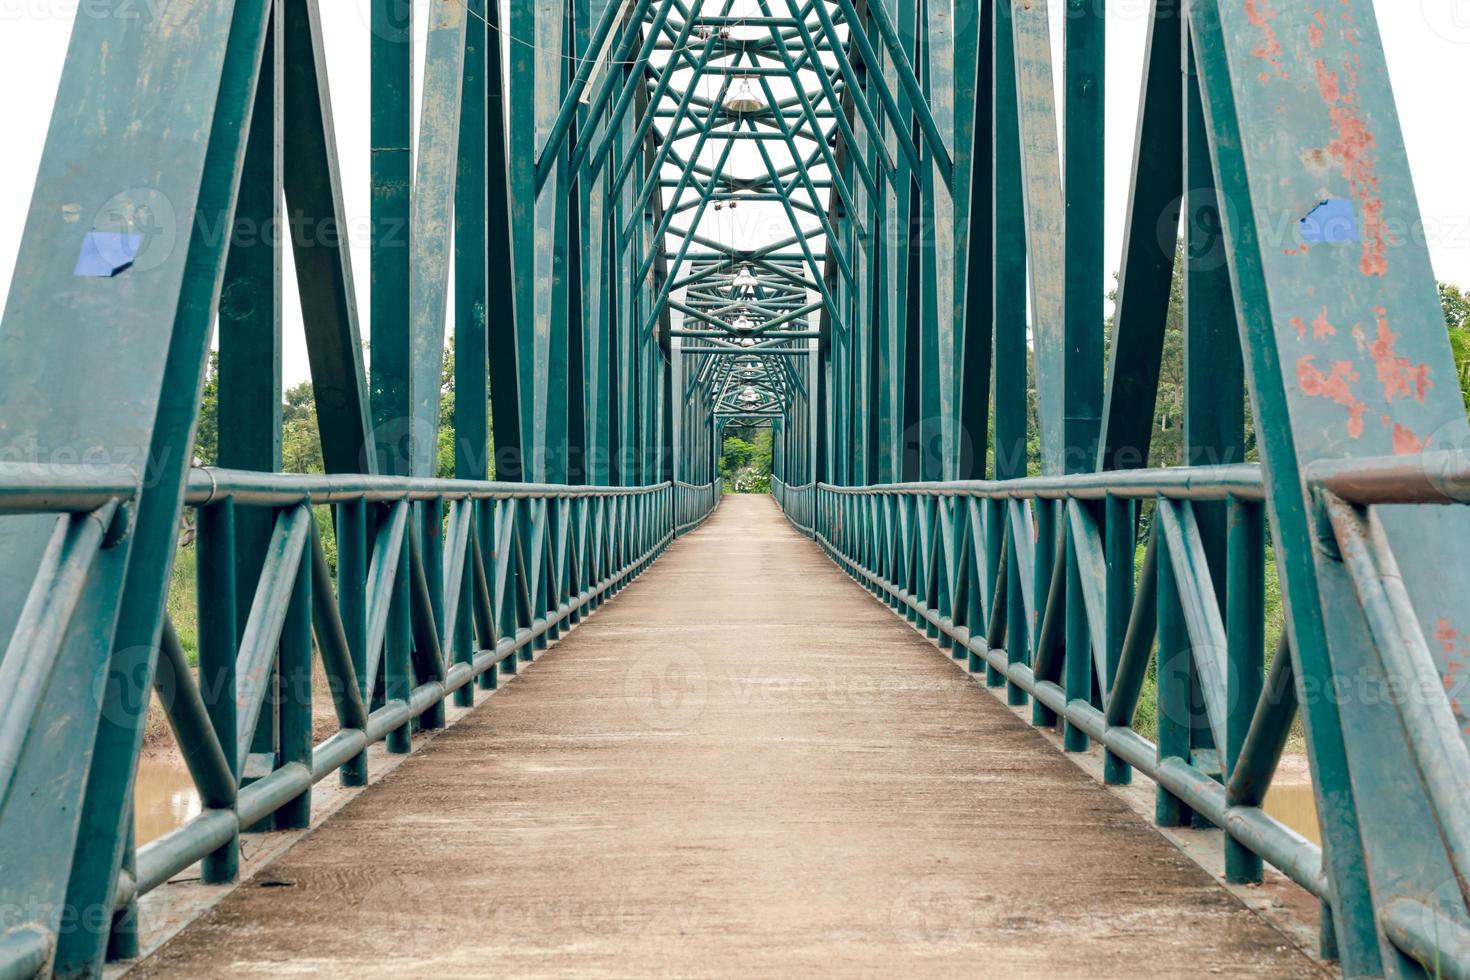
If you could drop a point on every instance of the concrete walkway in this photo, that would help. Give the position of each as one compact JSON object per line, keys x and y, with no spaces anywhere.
{"x":743,"y":765}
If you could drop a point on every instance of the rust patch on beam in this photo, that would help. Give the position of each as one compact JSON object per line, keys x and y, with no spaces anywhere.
{"x":1336,"y":386}
{"x":1355,"y":148}
{"x":1400,"y":377}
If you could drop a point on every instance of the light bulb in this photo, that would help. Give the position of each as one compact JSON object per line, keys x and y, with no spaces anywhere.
{"x":744,"y":99}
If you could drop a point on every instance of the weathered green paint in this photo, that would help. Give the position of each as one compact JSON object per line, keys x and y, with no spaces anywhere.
{"x":935,"y":238}
{"x":392,"y":255}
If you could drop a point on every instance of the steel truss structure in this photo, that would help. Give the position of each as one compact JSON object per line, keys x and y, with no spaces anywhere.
{"x":917,"y":269}
{"x":1075,"y":588}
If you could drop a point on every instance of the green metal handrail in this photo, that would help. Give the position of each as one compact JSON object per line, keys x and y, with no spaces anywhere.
{"x":1033,"y":583}
{"x":795,"y":502}
{"x":440,"y":586}
{"x":486,"y":588}
{"x":694,"y":503}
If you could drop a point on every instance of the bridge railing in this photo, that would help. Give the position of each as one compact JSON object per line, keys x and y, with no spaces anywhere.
{"x":796,"y":502}
{"x":1084,"y":594}
{"x":1356,"y":500}
{"x":693,"y":503}
{"x":439,"y":586}
{"x":1040,"y":585}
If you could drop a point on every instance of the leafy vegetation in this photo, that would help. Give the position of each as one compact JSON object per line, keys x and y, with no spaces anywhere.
{"x":745,"y":460}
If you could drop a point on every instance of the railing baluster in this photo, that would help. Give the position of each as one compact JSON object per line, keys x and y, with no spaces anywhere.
{"x":431,"y":566}
{"x":1119,"y":541}
{"x":398,"y":652}
{"x":1018,"y":623}
{"x":1173,"y":687}
{"x":216,"y":588}
{"x":1045,"y":590}
{"x":459,"y":597}
{"x":428,"y":654}
{"x":1078,"y":670}
{"x":487,"y":623}
{"x":352,"y":606}
{"x":1245,"y":631}
{"x":295,"y":692}
{"x":995,"y":573}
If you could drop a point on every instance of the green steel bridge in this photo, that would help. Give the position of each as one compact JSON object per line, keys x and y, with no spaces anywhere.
{"x":875,"y":227}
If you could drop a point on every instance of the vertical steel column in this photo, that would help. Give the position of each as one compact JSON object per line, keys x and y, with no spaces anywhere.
{"x":504,"y":296}
{"x":975,"y":174}
{"x":392,"y":183}
{"x":471,"y":269}
{"x":1084,"y":112}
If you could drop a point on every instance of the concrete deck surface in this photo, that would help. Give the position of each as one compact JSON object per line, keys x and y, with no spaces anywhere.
{"x":742,"y":766}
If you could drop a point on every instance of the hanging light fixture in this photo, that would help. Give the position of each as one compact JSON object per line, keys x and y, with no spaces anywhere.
{"x":744,"y":99}
{"x":749,"y":395}
{"x":747,"y":341}
{"x":745,"y":279}
{"x":743,"y":324}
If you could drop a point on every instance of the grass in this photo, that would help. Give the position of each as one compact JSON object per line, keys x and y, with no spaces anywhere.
{"x":1146,"y":716}
{"x":183,"y":602}
{"x":183,"y":605}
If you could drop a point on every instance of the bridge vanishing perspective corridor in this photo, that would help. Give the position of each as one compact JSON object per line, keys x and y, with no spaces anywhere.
{"x":603,"y":241}
{"x":686,"y":787}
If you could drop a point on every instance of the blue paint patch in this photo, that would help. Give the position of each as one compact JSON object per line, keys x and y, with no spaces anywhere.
{"x":1334,"y":220}
{"x":106,"y":253}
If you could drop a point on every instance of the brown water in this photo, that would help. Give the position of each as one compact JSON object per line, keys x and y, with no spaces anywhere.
{"x":164,"y":796}
{"x":1295,"y":805}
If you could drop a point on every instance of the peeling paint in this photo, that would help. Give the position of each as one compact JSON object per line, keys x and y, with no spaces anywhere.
{"x":1406,"y":442}
{"x":1449,"y":639}
{"x":1399,"y":376}
{"x":1446,"y":634}
{"x":1261,"y":13}
{"x":1336,"y":386}
{"x":1317,"y":29}
{"x":1321,"y":327}
{"x":1355,"y":149}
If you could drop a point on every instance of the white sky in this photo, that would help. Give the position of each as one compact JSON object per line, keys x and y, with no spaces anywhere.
{"x":1427,"y":42}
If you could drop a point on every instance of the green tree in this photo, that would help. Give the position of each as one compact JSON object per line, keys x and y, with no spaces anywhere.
{"x":1456,"y":305}
{"x":301,"y":441}
{"x":735,"y":455}
{"x":444,"y":455}
{"x":745,"y":459}
{"x":206,"y":441}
